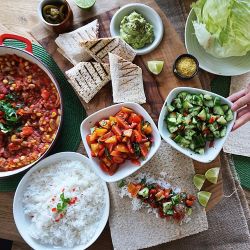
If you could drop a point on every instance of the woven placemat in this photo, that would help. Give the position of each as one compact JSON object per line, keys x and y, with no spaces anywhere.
{"x":221,"y":86}
{"x":73,"y":113}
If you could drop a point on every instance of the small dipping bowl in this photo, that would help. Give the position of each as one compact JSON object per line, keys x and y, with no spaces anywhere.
{"x":178,"y":60}
{"x":61,"y":27}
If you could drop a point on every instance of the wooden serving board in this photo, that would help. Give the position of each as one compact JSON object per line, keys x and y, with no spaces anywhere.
{"x":156,"y":87}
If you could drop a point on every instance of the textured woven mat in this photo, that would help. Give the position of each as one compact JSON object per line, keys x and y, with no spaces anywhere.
{"x":221,"y":86}
{"x":73,"y":113}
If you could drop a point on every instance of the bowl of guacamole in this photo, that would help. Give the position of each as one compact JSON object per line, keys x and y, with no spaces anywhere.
{"x":138,"y":25}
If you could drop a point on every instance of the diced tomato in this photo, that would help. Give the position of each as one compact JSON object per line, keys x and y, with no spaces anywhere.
{"x":211,"y":144}
{"x":122,"y":123}
{"x":116,"y":130}
{"x":13,"y":147}
{"x":127,"y":132}
{"x":122,"y":115}
{"x":166,"y":193}
{"x":104,"y":167}
{"x":189,"y":203}
{"x":147,"y":129}
{"x":101,"y":146}
{"x":138,"y":136}
{"x":94,"y":148}
{"x":136,"y":162}
{"x":116,"y":153}
{"x":122,"y":148}
{"x":100,"y":131}
{"x":106,"y":136}
{"x":212,"y":119}
{"x":144,"y":150}
{"x":130,"y":148}
{"x":101,"y":152}
{"x":105,"y":124}
{"x":152,"y":191}
{"x":119,"y":138}
{"x":112,"y":120}
{"x":113,"y":168}
{"x":191,"y":197}
{"x":160,"y":194}
{"x":2,"y":96}
{"x":107,"y":162}
{"x":88,"y":139}
{"x":26,"y":131}
{"x":134,"y":118}
{"x":134,"y":189}
{"x":45,"y":94}
{"x":126,"y":110}
{"x":125,"y":139}
{"x":111,"y":139}
{"x":110,"y":147}
{"x":117,"y":159}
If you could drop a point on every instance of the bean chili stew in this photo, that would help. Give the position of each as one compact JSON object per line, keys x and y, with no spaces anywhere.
{"x":30,"y":112}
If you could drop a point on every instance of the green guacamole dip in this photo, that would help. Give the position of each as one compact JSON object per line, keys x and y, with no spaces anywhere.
{"x":136,"y":31}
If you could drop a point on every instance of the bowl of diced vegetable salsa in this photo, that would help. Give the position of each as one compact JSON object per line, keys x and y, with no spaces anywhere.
{"x":119,"y":140}
{"x":196,"y":122}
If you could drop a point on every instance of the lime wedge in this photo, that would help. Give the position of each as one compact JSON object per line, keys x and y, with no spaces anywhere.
{"x":85,"y":4}
{"x":199,"y":180}
{"x":212,"y":175}
{"x":155,"y":66}
{"x":203,"y":197}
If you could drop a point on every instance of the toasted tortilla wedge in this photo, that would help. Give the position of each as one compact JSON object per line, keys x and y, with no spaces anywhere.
{"x":127,"y":82}
{"x":99,"y":49}
{"x":87,"y":78}
{"x":69,"y":43}
{"x":178,"y":170}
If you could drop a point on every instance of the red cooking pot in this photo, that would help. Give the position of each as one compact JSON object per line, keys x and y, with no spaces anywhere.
{"x":27,"y":54}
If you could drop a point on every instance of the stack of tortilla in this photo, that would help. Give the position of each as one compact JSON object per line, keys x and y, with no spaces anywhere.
{"x":113,"y":59}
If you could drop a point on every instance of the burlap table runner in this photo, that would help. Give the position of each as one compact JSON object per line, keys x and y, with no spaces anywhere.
{"x":229,"y":220}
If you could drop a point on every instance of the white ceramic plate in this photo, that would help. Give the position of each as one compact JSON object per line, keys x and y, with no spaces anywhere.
{"x":23,"y":222}
{"x":210,"y":153}
{"x":149,"y":14}
{"x":230,"y":66}
{"x":127,"y":168}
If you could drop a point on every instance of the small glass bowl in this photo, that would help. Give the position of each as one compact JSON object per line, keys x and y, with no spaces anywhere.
{"x":178,"y":74}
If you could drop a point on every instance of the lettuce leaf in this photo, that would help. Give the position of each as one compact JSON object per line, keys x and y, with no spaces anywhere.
{"x":223,"y":26}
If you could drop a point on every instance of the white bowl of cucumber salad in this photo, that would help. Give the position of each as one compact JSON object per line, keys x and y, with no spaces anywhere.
{"x":196,"y":122}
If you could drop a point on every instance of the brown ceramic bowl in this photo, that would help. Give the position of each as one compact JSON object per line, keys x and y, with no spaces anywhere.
{"x":65,"y":25}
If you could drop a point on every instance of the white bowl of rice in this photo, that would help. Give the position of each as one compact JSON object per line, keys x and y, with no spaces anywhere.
{"x":61,"y":203}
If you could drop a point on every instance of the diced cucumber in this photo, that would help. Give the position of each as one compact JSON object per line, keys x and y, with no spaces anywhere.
{"x":182,"y":95}
{"x":225,"y":107}
{"x":203,"y":115}
{"x":200,"y":151}
{"x":170,"y":108}
{"x":188,"y":97}
{"x":195,"y":111}
{"x":172,"y":129}
{"x":189,"y":133}
{"x":179,"y":119}
{"x":184,"y":143}
{"x":177,"y":103}
{"x":217,"y":101}
{"x":222,"y":120}
{"x":197,"y":100}
{"x":223,"y":131}
{"x":209,"y":103}
{"x":187,"y":105}
{"x":194,"y":121}
{"x":171,"y":120}
{"x":216,"y":134}
{"x":218,"y":110}
{"x":166,"y":206}
{"x":172,"y":114}
{"x":186,"y":119}
{"x":203,"y":126}
{"x":208,"y":97}
{"x":198,"y":141}
{"x":178,"y":138}
{"x":192,"y":146}
{"x":144,"y":192}
{"x":213,"y":127}
{"x":229,"y":115}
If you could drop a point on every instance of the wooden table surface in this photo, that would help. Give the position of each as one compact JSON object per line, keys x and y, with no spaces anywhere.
{"x":19,"y":16}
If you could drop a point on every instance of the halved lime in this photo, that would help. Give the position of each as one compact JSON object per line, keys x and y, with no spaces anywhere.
{"x":212,"y":175}
{"x":85,"y":4}
{"x":203,"y":197}
{"x":155,"y":66}
{"x":199,"y":180}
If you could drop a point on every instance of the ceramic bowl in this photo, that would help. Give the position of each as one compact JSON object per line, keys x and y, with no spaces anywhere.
{"x":149,"y":14}
{"x":210,"y":152}
{"x":65,"y":25}
{"x":22,"y":221}
{"x":230,"y":66}
{"x":127,"y":168}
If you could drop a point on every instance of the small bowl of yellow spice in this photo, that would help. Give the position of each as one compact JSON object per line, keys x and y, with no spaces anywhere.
{"x":185,"y":66}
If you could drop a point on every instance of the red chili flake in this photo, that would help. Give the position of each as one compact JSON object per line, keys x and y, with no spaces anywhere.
{"x":62,"y":190}
{"x":61,"y":216}
{"x":54,"y":210}
{"x":73,"y":189}
{"x":57,"y":220}
{"x":73,"y":201}
{"x":53,"y":199}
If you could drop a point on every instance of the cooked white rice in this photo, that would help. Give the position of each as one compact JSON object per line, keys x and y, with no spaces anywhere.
{"x":81,"y":219}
